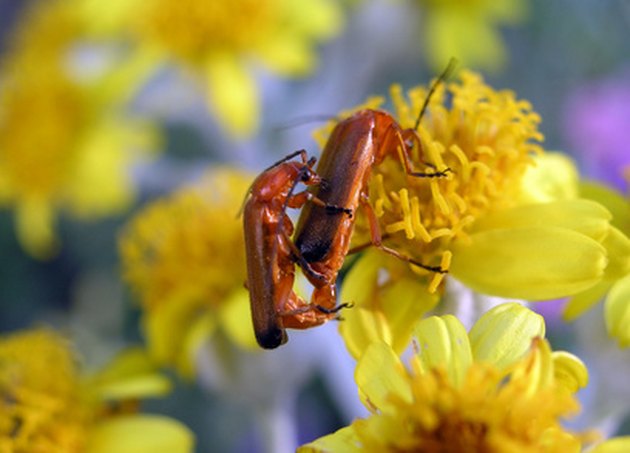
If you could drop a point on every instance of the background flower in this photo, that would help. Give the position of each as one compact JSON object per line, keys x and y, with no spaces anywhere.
{"x":48,"y":404}
{"x":64,"y":145}
{"x":469,"y":30}
{"x":184,"y":258}
{"x":221,"y":43}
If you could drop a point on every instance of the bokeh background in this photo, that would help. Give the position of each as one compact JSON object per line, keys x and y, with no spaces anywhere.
{"x":569,"y":58}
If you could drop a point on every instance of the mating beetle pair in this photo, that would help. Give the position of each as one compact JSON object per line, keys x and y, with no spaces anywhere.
{"x":322,"y":238}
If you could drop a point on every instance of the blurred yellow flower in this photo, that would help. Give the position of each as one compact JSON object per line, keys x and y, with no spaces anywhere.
{"x":62,"y":147}
{"x":498,"y":388}
{"x":468,"y":30}
{"x":222,"y":42}
{"x":506,"y":220}
{"x":184,"y":258}
{"x":46,"y":405}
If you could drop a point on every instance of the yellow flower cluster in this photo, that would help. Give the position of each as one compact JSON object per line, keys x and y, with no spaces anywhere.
{"x":60,"y":149}
{"x":47,"y":405}
{"x":498,"y":388}
{"x":222,"y":42}
{"x":184,"y":257}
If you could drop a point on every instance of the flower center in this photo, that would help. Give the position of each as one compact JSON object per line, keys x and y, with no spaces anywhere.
{"x":486,"y":139}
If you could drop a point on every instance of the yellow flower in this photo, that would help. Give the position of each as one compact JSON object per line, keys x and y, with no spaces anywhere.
{"x":498,"y":388}
{"x":468,"y":30}
{"x":60,"y":148}
{"x":505,"y":221}
{"x":221,"y":41}
{"x":184,"y":258}
{"x":615,"y":285}
{"x":46,"y":405}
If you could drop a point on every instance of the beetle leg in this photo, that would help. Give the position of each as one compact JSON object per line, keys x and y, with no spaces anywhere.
{"x":299,"y":199}
{"x":316,"y":278}
{"x":377,"y":239}
{"x":330,"y":208}
{"x":301,"y":315}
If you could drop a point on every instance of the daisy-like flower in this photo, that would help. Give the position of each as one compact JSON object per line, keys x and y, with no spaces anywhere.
{"x":469,"y":30}
{"x":62,"y":146}
{"x":498,"y":388}
{"x":507,"y":213}
{"x":221,"y":42}
{"x":184,"y":258}
{"x":47,"y":405}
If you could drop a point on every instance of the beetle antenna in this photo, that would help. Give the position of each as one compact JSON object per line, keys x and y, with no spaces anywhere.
{"x":306,"y":119}
{"x":448,"y":71}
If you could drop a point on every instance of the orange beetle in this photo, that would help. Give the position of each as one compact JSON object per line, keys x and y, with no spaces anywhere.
{"x":271,"y":255}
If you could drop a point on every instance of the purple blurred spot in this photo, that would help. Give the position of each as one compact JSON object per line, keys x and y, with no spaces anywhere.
{"x":597,"y":127}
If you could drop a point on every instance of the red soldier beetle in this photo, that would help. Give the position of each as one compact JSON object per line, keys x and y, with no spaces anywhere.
{"x":271,"y":254}
{"x":354,"y":147}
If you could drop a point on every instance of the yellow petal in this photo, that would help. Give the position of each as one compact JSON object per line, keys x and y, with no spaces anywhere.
{"x":615,"y":202}
{"x":387,"y":313}
{"x":126,"y":78}
{"x":617,"y":246}
{"x":582,"y":216}
{"x":140,"y":434}
{"x":131,"y":374}
{"x":380,"y":373}
{"x":288,"y":55}
{"x":442,"y":342}
{"x":129,"y":362}
{"x":569,"y":371}
{"x":363,"y":323}
{"x":195,"y":336}
{"x":360,"y":327}
{"x":106,"y":19}
{"x":536,"y":371}
{"x":404,"y":302}
{"x":617,"y":311}
{"x":534,"y":263}
{"x":233,"y":94}
{"x":614,"y":445}
{"x":148,"y":385}
{"x":505,"y":333}
{"x":465,"y":35}
{"x":101,"y":183}
{"x":235,"y":319}
{"x":34,"y":223}
{"x":553,"y":176}
{"x":166,"y":327}
{"x":316,"y":18}
{"x":581,"y":302}
{"x":343,"y":440}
